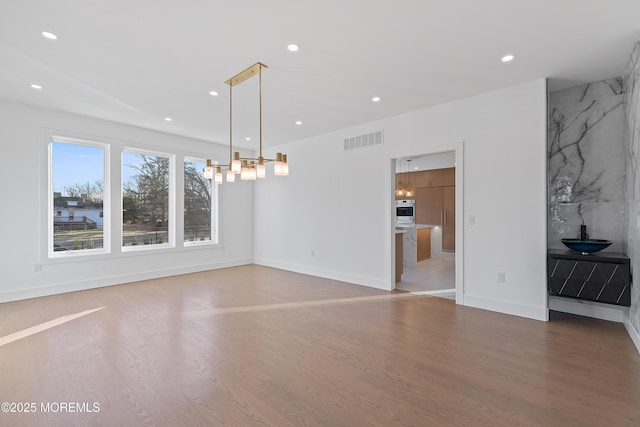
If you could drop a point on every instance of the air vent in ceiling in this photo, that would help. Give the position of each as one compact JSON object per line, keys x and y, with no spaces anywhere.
{"x":366,"y":140}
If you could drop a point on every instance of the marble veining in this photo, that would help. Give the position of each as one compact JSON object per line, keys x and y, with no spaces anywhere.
{"x":632,"y":176}
{"x":585,"y":149}
{"x":410,"y":247}
{"x":583,"y":130}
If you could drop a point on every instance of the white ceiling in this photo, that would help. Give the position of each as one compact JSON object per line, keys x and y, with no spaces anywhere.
{"x":138,"y":61}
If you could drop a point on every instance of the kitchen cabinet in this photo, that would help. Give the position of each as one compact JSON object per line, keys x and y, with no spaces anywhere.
{"x":435,"y":196}
{"x":429,"y":205}
{"x":399,"y":256}
{"x":449,"y":177}
{"x":424,"y":244}
{"x":436,"y":204}
{"x":430,"y":178}
{"x":449,"y":219}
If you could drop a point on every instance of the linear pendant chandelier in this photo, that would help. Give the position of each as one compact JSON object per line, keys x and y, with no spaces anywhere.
{"x":249,"y":168}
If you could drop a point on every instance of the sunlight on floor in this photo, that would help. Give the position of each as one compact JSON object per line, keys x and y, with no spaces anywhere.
{"x":44,"y":326}
{"x":298,"y":304}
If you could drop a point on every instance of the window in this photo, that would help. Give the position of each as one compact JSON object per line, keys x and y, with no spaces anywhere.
{"x":79,"y":216}
{"x":199,"y":205}
{"x":145,"y":199}
{"x":77,"y":197}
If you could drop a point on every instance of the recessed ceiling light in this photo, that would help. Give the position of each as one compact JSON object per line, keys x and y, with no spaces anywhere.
{"x":299,"y":123}
{"x":416,"y":168}
{"x":376,"y":99}
{"x":508,"y":58}
{"x":168,"y":119}
{"x":247,"y":138}
{"x":35,"y":86}
{"x":293,"y":47}
{"x":49,"y":35}
{"x":213,"y":93}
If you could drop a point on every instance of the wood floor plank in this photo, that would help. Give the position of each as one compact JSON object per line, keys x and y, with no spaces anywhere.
{"x":256,"y":346}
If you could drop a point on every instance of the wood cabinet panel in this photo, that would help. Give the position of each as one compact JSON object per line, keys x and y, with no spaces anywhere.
{"x":430,"y":178}
{"x":399,"y":256}
{"x":424,"y":244}
{"x":449,"y":177}
{"x":429,"y":205}
{"x":449,"y":219}
{"x":420,"y":178}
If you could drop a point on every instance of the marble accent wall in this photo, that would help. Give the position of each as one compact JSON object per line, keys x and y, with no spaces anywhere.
{"x":632,"y":177}
{"x":585,"y":149}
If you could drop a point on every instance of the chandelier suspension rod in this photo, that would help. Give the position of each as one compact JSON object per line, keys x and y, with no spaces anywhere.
{"x":260,"y":89}
{"x":230,"y":124}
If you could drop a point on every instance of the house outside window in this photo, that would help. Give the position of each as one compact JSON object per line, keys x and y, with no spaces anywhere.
{"x":76,"y":194}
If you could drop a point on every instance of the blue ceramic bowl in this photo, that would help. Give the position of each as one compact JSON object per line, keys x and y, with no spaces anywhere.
{"x":586,"y":246}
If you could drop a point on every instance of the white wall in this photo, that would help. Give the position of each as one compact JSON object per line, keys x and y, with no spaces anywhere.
{"x":332,"y":216}
{"x":23,"y":151}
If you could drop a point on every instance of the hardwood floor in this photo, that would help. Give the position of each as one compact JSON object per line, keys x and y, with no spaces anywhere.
{"x":258,"y":346}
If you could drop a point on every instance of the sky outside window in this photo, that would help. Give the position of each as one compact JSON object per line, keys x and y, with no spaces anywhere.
{"x":76,"y":164}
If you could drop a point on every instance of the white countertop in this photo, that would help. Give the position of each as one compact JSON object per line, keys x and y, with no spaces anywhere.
{"x":417,"y":226}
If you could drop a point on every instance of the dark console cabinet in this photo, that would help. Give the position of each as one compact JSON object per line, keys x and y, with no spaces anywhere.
{"x":602,"y":277}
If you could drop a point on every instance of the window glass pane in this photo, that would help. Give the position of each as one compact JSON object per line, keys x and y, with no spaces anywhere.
{"x":78,"y":196}
{"x":197,"y":203}
{"x":145,"y":199}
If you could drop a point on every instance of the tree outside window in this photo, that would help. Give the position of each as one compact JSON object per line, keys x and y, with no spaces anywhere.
{"x":145,"y":199}
{"x":197,"y":203}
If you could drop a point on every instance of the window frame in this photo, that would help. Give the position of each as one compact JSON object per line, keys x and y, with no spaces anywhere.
{"x":171,"y":208}
{"x":112,"y":200}
{"x":106,"y":199}
{"x":214,"y":238}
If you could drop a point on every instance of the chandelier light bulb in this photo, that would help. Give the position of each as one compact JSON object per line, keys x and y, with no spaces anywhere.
{"x":261,"y":170}
{"x":236,"y":164}
{"x":208,"y":170}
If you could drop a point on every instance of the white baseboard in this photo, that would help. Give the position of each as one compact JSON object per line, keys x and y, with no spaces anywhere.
{"x":61,"y":288}
{"x":633,"y":333}
{"x":528,"y":311}
{"x":326,"y":274}
{"x":612,"y":313}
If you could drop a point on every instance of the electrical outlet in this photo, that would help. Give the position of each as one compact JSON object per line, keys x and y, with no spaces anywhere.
{"x":500,"y":277}
{"x":37,"y":268}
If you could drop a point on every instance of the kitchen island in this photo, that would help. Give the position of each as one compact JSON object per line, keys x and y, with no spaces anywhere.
{"x":416,"y":243}
{"x":399,"y":253}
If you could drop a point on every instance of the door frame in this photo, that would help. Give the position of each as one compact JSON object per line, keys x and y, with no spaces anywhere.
{"x":458,"y":149}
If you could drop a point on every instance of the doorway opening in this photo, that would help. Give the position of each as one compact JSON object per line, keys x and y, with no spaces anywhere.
{"x":428,"y":240}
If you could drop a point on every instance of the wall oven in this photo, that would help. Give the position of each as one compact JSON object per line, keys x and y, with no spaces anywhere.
{"x":405,"y":212}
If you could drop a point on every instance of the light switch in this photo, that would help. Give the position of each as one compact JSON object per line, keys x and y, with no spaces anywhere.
{"x":471,"y":219}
